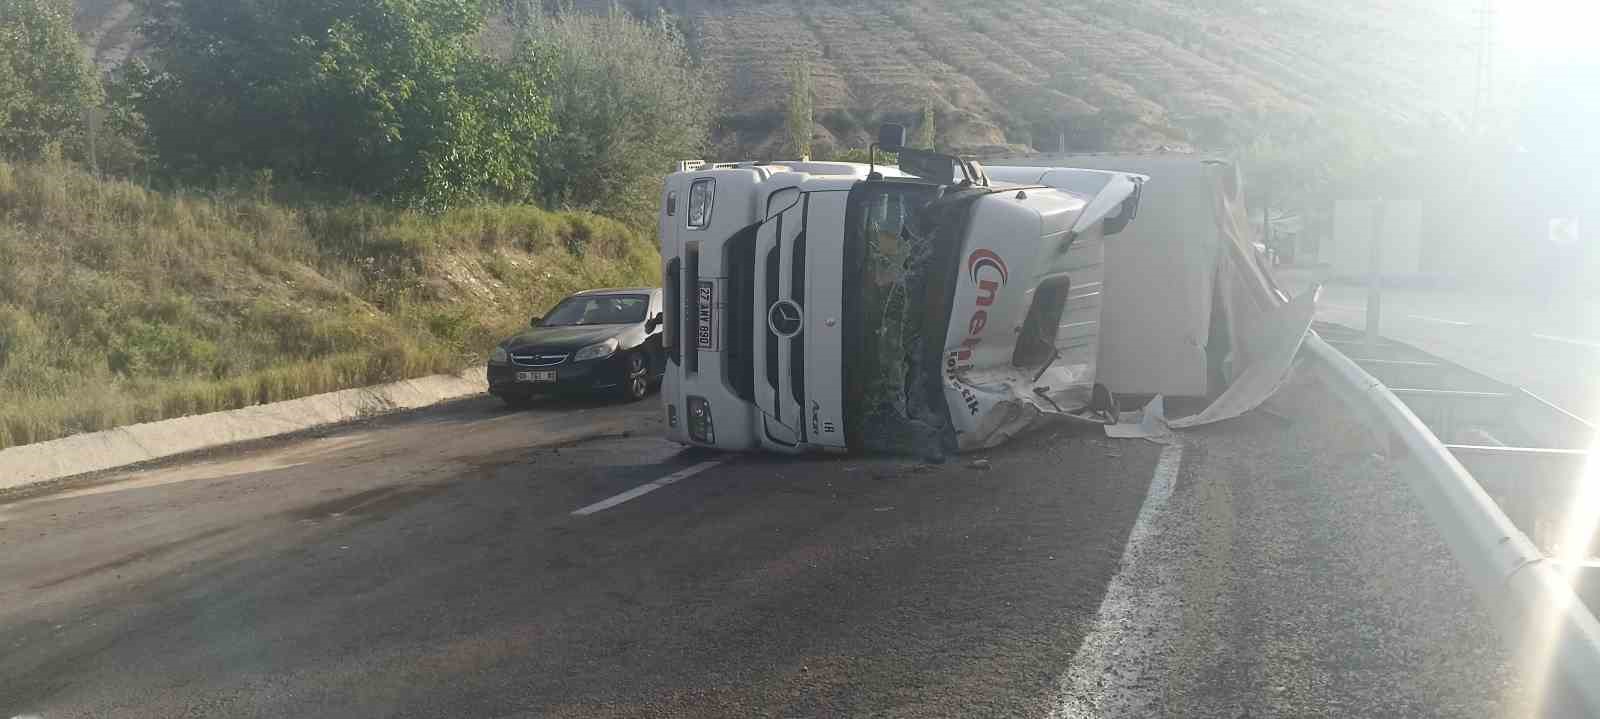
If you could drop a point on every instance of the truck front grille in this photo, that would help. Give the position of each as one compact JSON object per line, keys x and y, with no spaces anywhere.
{"x":739,"y":352}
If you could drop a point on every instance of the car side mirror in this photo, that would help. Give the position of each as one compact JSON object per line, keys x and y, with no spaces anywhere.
{"x":536,"y":320}
{"x":651,"y":324}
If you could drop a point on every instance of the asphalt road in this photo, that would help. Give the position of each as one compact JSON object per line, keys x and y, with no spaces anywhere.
{"x":431,"y":564}
{"x":1548,"y":344}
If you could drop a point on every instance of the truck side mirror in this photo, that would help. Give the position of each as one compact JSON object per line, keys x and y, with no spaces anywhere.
{"x":651,"y":324}
{"x":891,"y":137}
{"x":536,"y":320}
{"x":928,"y":165}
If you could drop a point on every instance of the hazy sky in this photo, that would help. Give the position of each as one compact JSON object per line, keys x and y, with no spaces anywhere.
{"x":1544,"y":30}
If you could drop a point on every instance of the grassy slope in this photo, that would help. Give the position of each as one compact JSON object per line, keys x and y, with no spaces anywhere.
{"x":119,"y":304}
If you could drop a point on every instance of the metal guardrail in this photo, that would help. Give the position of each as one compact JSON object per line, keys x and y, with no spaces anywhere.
{"x":1541,"y":618}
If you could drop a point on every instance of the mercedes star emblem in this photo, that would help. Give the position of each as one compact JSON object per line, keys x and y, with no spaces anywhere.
{"x":784,"y":318}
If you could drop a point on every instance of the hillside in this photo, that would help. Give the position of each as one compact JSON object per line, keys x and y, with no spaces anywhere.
{"x":1079,"y":75}
{"x":1082,"y":75}
{"x":121,"y":304}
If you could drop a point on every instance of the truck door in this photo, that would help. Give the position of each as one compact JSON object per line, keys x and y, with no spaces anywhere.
{"x":822,"y":388}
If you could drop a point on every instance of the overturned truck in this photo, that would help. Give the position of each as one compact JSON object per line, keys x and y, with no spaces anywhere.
{"x":931,"y":307}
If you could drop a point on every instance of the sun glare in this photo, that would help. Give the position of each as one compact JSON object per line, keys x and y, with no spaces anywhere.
{"x":1548,"y":29}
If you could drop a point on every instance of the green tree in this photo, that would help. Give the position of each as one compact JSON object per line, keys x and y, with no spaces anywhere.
{"x":627,"y":101}
{"x":389,"y":98}
{"x":46,"y":83}
{"x":926,"y":130}
{"x":798,"y":110}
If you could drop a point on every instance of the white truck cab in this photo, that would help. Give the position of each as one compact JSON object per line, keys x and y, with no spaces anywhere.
{"x":821,"y":306}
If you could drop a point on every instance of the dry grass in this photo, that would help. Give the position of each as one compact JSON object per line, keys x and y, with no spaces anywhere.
{"x":121,"y":304}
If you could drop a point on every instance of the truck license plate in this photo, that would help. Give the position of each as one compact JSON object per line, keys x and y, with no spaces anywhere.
{"x":537,"y":376}
{"x":706,"y":314}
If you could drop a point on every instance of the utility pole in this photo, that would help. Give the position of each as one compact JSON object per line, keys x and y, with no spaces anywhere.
{"x":1483,"y":90}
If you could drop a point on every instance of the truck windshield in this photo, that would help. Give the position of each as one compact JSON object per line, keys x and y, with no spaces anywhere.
{"x":893,"y":313}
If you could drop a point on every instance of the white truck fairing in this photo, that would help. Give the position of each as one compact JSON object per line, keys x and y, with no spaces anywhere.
{"x":1030,"y":279}
{"x":808,"y":302}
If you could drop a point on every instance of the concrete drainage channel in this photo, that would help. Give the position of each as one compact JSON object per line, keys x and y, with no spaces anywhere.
{"x":1503,"y":477}
{"x":122,"y":446}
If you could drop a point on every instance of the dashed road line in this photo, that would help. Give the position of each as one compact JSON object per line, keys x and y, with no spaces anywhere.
{"x":1569,"y":340}
{"x":1440,"y":320}
{"x":647,"y":488}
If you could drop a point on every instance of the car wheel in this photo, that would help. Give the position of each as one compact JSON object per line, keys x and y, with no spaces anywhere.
{"x":636,"y":383}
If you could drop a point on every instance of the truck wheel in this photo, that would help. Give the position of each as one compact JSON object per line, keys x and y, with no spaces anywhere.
{"x":636,"y":382}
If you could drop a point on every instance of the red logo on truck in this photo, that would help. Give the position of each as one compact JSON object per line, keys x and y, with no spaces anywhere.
{"x":978,"y":261}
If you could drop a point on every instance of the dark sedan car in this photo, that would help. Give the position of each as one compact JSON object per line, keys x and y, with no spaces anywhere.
{"x":596,"y":340}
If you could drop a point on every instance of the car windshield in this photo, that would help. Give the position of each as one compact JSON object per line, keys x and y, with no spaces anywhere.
{"x":597,"y":310}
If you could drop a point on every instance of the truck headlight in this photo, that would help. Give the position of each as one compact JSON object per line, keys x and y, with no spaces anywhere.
{"x":701,"y":194}
{"x":498,"y":356}
{"x":599,"y":351}
{"x":700,"y":425}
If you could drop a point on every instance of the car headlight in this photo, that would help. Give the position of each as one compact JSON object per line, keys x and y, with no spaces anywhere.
{"x":600,"y":351}
{"x":499,"y":356}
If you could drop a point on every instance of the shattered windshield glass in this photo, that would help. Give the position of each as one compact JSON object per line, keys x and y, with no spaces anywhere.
{"x":900,"y":244}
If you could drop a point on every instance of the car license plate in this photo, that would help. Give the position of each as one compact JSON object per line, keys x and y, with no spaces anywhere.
{"x":537,"y":376}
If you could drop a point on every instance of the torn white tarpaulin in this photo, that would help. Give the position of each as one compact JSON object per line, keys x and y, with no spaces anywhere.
{"x":1148,"y":423}
{"x":1285,"y":328}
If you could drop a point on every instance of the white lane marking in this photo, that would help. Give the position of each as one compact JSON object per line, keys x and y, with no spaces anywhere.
{"x":1569,"y":340}
{"x":647,"y":488}
{"x":1106,"y":670}
{"x":1454,"y":323}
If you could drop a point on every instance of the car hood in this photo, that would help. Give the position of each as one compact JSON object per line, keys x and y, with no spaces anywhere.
{"x":571,"y":337}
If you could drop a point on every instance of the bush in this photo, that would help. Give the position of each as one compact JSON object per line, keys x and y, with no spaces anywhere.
{"x":626,"y":100}
{"x":46,"y":84}
{"x":387,"y":98}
